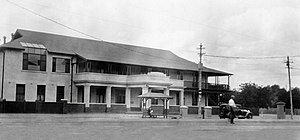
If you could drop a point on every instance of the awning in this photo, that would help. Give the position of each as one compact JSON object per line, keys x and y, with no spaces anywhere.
{"x":155,"y":96}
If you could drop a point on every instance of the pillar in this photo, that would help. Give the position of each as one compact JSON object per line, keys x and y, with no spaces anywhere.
{"x":148,"y":102}
{"x":167,"y":92}
{"x":127,"y":98}
{"x":87,"y":95}
{"x":108,"y":98}
{"x":181,"y":96}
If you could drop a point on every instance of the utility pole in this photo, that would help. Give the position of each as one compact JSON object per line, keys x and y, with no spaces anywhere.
{"x":200,"y":65}
{"x":290,"y":87}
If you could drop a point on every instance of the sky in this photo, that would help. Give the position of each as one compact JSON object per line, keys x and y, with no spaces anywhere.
{"x":248,"y":38}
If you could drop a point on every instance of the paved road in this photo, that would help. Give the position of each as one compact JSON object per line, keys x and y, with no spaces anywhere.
{"x":133,"y":127}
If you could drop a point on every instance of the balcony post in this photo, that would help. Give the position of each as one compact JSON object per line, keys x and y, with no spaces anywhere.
{"x":228,"y":82}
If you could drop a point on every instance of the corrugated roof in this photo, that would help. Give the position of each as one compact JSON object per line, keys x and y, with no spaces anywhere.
{"x":105,"y":51}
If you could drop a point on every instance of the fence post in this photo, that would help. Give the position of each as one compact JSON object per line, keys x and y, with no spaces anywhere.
{"x":24,"y":106}
{"x":64,"y":106}
{"x":3,"y":105}
{"x":36,"y":106}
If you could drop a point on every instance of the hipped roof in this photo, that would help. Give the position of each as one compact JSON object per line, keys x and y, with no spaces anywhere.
{"x":106,"y":51}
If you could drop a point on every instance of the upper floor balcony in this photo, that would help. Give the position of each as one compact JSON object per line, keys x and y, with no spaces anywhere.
{"x":207,"y":86}
{"x":152,"y":78}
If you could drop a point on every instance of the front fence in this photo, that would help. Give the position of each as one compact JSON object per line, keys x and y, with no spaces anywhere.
{"x":64,"y":107}
{"x":57,"y":107}
{"x":31,"y":107}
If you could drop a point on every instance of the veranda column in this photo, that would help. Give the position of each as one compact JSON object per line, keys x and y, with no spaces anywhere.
{"x":144,"y":91}
{"x":127,"y":96}
{"x":87,"y":95}
{"x":167,"y":92}
{"x":108,"y":98}
{"x":181,"y":95}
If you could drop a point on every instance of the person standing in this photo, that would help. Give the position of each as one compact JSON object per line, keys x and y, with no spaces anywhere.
{"x":232,"y":105}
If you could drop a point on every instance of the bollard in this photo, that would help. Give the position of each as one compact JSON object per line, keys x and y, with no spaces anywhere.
{"x":280,"y":110}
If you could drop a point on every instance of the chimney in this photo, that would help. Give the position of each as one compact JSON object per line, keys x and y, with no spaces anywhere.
{"x":4,"y":39}
{"x":12,"y":36}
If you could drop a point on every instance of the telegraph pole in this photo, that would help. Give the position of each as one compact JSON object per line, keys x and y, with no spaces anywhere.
{"x":200,"y":65}
{"x":290,"y":87}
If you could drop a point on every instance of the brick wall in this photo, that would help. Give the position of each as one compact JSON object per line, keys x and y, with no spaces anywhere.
{"x":96,"y":108}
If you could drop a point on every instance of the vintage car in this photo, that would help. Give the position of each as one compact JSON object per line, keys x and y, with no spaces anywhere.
{"x":239,"y":111}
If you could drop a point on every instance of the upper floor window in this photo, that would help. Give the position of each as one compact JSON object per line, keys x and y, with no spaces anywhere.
{"x":61,"y":65}
{"x":34,"y":57}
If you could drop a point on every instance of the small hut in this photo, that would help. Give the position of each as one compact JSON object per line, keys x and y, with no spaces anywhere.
{"x":157,"y":111}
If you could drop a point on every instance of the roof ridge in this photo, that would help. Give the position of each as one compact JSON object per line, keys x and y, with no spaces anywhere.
{"x":107,"y":51}
{"x":74,"y":37}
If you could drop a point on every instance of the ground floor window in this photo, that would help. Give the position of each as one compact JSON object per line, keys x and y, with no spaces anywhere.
{"x":41,"y":89}
{"x":20,"y":92}
{"x":195,"y":96}
{"x":98,"y":94}
{"x":60,"y":93}
{"x":80,"y":94}
{"x":118,"y":95}
{"x":176,"y":95}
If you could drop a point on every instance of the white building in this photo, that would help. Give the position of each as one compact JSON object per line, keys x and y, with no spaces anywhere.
{"x":98,"y":76}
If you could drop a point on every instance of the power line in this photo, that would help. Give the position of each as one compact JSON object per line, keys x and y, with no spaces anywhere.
{"x":89,"y":15}
{"x":244,"y":57}
{"x":185,"y":20}
{"x":120,"y":46}
{"x":210,"y":26}
{"x":54,"y":21}
{"x":80,"y":32}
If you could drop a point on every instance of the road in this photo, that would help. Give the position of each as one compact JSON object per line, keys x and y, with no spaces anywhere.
{"x":90,"y":127}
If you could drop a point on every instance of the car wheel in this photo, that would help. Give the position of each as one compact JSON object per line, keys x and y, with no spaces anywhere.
{"x":250,"y":116}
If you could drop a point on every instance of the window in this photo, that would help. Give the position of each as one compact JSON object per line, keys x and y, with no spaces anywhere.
{"x":60,"y":93}
{"x":179,"y":75}
{"x":80,"y":94}
{"x":34,"y":57}
{"x":118,"y":94}
{"x":177,"y":98}
{"x":195,"y":99}
{"x":41,"y":92}
{"x":61,"y":65}
{"x":154,"y":101}
{"x":101,"y":95}
{"x":20,"y":92}
{"x":120,"y":98}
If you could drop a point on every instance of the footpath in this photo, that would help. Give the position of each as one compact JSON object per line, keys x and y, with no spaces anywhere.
{"x":112,"y":117}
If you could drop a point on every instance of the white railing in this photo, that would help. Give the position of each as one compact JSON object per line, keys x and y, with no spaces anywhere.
{"x":127,"y":79}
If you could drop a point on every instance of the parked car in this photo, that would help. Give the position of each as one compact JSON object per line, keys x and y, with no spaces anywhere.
{"x":239,"y":111}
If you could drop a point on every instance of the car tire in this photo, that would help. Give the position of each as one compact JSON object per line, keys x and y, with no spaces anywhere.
{"x":250,"y":116}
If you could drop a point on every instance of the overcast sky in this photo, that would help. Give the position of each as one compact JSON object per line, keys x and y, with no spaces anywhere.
{"x":251,"y":29}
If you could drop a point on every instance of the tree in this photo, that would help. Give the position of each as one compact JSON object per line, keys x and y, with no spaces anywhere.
{"x":296,"y":97}
{"x":248,"y":95}
{"x":252,"y":95}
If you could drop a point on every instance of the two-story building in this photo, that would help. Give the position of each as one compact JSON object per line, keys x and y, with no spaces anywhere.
{"x":101,"y":76}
